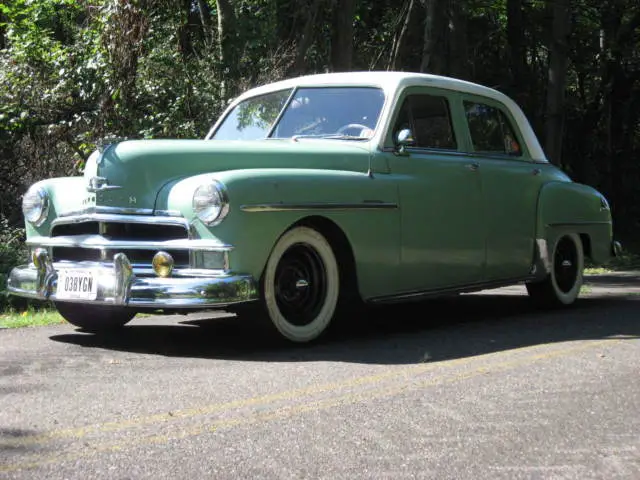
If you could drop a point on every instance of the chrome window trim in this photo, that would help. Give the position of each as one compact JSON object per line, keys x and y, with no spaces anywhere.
{"x":287,"y":207}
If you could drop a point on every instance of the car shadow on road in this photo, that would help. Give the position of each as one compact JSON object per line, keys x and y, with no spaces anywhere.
{"x":436,"y":330}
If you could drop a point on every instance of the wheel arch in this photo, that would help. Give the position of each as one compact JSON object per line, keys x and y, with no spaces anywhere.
{"x":341,"y":246}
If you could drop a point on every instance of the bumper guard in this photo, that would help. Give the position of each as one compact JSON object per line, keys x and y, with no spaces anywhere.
{"x":118,"y":285}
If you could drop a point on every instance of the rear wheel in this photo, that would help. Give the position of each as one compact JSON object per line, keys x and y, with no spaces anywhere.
{"x":562,"y":285}
{"x":301,"y":285}
{"x":94,"y":318}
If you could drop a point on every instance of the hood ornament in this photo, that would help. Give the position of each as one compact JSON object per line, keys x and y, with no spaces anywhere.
{"x":100,"y":184}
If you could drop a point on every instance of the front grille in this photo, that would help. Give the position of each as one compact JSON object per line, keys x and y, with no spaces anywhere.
{"x":122,"y":231}
{"x":119,"y":231}
{"x":135,"y":256}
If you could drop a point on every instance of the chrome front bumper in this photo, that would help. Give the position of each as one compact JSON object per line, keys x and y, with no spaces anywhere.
{"x":118,"y":285}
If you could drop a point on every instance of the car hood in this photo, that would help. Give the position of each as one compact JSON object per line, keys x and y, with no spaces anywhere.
{"x":135,"y":171}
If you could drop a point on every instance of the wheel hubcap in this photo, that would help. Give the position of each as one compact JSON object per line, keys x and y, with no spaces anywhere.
{"x":566,"y":265}
{"x":300,"y":284}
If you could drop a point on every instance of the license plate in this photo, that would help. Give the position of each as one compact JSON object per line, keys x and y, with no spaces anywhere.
{"x":76,"y":285}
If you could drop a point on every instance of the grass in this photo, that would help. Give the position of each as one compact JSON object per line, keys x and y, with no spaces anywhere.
{"x":30,"y":318}
{"x":626,"y":261}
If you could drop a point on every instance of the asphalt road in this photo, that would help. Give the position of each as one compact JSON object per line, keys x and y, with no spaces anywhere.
{"x":476,"y":387}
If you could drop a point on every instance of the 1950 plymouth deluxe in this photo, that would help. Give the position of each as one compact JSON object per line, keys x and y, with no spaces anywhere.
{"x":309,"y":194}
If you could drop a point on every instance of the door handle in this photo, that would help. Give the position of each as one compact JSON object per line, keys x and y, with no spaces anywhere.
{"x":474,"y":166}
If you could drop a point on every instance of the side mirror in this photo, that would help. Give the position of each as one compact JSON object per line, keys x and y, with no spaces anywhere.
{"x":404,"y":138}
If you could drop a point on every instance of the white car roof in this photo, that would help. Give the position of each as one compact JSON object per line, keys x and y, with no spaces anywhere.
{"x":393,"y":82}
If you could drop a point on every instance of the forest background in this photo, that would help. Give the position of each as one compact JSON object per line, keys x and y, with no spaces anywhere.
{"x":74,"y":74}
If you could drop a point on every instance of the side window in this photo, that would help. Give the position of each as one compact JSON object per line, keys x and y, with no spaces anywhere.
{"x":490,"y":130}
{"x":430,"y":122}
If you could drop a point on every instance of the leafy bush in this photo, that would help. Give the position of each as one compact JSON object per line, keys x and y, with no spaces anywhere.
{"x":12,"y":253}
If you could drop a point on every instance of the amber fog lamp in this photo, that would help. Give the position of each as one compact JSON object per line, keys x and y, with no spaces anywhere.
{"x":162,"y":264}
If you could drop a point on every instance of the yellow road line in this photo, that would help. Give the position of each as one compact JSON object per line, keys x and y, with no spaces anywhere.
{"x":234,"y":404}
{"x":292,"y":410}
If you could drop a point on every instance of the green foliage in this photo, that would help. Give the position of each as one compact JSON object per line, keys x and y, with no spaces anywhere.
{"x":12,"y":253}
{"x":30,"y":318}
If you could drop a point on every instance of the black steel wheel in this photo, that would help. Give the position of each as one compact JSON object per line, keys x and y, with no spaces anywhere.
{"x":562,"y":284}
{"x":301,"y":285}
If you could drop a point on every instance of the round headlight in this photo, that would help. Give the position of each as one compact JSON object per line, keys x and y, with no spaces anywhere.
{"x":210,"y":202}
{"x":35,"y":205}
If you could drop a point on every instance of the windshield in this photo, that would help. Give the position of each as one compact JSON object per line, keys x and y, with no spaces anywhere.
{"x":320,"y":112}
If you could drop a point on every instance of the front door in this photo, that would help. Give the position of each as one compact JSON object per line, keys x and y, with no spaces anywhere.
{"x":442,"y":232}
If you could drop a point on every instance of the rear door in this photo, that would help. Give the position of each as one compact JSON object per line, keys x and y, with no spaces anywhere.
{"x":510,"y":183}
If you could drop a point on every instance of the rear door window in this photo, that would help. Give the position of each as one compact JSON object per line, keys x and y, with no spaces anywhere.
{"x":490,"y":129}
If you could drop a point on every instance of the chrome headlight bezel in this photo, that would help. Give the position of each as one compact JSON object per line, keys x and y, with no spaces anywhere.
{"x":35,"y":205}
{"x":210,"y":202}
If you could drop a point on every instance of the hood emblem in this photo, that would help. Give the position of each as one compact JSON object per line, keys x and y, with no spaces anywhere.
{"x":100,"y":184}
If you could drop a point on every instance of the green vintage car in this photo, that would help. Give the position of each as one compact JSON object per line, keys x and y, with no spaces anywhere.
{"x":310,"y":195}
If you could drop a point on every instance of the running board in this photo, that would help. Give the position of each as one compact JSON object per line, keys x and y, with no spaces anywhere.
{"x":423,"y":294}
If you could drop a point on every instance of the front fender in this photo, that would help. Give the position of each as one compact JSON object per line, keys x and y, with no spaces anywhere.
{"x":573,"y":207}
{"x":66,"y":195}
{"x":264,"y":203}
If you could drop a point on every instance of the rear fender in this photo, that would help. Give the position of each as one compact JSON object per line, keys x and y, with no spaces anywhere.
{"x":572,"y":208}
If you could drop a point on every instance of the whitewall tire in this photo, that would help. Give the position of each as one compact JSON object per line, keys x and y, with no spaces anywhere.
{"x":301,"y":285}
{"x":562,"y":285}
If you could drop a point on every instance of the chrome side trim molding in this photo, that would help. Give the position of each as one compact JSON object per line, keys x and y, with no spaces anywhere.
{"x":106,"y":217}
{"x":98,"y":242}
{"x":422,"y":294}
{"x":288,"y":207}
{"x":577,"y":224}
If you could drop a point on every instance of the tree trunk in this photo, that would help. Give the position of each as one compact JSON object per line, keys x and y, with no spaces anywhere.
{"x":3,"y":42}
{"x":342,"y":35}
{"x":205,"y":16}
{"x":457,"y":32}
{"x":430,"y":58}
{"x":227,"y":47}
{"x":306,"y":38}
{"x":517,"y":51}
{"x":557,"y":77}
{"x":395,"y":61}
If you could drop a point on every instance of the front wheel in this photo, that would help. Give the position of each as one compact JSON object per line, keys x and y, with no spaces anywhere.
{"x":301,"y":285}
{"x":94,"y":318}
{"x":562,"y":285}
